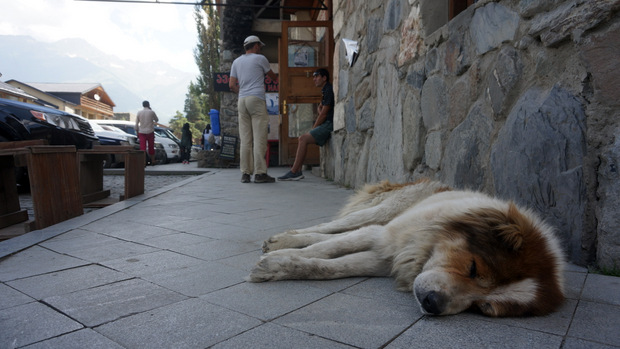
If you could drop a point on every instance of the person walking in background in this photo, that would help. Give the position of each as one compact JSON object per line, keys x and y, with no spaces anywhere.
{"x":186,"y":143}
{"x":247,"y":78}
{"x":207,"y":143}
{"x":145,"y":126}
{"x":322,"y":128}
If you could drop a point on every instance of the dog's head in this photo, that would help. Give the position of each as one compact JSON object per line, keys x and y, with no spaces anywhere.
{"x":502,"y":262}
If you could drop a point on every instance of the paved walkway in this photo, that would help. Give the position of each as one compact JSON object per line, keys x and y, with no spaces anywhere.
{"x":166,"y":270}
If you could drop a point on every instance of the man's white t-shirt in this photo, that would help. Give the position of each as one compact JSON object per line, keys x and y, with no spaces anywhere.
{"x":250,"y":70}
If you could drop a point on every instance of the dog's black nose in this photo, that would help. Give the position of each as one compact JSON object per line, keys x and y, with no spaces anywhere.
{"x":432,"y":303}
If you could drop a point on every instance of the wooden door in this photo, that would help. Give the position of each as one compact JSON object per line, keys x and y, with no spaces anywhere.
{"x":305,"y":47}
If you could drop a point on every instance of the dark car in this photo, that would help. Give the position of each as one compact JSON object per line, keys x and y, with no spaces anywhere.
{"x":23,"y":121}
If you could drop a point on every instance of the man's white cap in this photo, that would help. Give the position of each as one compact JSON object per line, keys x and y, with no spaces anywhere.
{"x":252,"y":39}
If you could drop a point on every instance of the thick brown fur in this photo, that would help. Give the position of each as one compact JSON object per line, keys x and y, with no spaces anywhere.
{"x":455,"y":250}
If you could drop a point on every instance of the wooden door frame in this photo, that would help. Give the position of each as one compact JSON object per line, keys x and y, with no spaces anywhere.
{"x":286,"y":158}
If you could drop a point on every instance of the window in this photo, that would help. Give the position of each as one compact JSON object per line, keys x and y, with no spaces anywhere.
{"x":458,"y":6}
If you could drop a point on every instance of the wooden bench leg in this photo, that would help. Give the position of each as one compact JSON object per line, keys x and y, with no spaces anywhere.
{"x":134,"y":174}
{"x":54,"y":186}
{"x":10,"y":210}
{"x":91,"y":177}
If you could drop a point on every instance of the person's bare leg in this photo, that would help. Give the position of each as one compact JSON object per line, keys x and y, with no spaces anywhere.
{"x":302,"y":147}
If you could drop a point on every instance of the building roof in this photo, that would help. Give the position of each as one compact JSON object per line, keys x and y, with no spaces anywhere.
{"x":12,"y":90}
{"x":80,"y":88}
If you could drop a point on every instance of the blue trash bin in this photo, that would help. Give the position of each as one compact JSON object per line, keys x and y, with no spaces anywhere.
{"x":215,"y":121}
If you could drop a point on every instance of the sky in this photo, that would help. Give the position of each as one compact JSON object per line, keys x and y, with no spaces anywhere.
{"x":136,"y":31}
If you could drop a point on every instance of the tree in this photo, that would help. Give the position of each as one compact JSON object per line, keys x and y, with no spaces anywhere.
{"x":201,"y":96}
{"x":194,"y":111}
{"x":207,"y":57}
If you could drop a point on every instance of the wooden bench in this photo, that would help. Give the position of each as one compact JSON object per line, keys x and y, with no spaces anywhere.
{"x":54,"y":183}
{"x":91,"y":171}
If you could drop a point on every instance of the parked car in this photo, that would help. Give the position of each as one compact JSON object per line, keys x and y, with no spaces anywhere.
{"x":107,"y":137}
{"x":113,"y":137}
{"x":166,"y":132}
{"x":23,"y":121}
{"x":172,"y":152}
{"x":160,"y":152}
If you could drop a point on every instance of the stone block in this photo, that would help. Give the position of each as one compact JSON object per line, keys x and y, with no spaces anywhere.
{"x":413,"y":132}
{"x":373,"y":34}
{"x":538,"y":157}
{"x":492,"y":25}
{"x":393,"y":14}
{"x":349,"y":116}
{"x":433,"y":149}
{"x":434,"y":103}
{"x":605,"y":72}
{"x":528,"y":8}
{"x":608,"y":193}
{"x":412,"y":40}
{"x":467,"y":150}
{"x":571,"y":18}
{"x":504,"y":77}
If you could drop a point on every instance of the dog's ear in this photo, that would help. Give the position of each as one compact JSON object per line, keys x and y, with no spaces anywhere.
{"x":512,"y":230}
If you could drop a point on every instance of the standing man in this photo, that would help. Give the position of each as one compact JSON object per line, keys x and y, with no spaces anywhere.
{"x":247,"y":78}
{"x":145,"y":126}
{"x":322,"y":128}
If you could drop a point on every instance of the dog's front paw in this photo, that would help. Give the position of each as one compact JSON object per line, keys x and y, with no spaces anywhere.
{"x":279,"y":241}
{"x":270,"y":267}
{"x":260,"y":272}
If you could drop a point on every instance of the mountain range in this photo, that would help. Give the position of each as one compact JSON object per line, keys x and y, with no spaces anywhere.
{"x":127,"y":82}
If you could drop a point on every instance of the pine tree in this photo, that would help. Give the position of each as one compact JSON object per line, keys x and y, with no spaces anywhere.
{"x":207,"y":56}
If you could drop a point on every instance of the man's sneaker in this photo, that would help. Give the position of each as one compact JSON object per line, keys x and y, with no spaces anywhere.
{"x":263,"y":178}
{"x":290,"y":176}
{"x":245,"y":178}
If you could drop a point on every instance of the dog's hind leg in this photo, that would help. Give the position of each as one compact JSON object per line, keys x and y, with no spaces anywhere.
{"x":377,"y":215}
{"x":380,"y":215}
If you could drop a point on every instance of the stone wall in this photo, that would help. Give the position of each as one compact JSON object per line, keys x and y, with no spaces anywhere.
{"x":518,"y":98}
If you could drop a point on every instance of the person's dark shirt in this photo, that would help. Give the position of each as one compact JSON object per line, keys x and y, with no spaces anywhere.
{"x":328,"y":99}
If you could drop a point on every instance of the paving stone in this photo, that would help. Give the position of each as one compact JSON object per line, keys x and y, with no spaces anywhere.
{"x":151,"y":263}
{"x":67,"y":281}
{"x":602,"y":288}
{"x":10,"y":297}
{"x":361,"y":322}
{"x":465,"y":332}
{"x":35,"y":261}
{"x":268,"y":300}
{"x":575,"y":343}
{"x":271,"y":336}
{"x":193,"y":323}
{"x":94,"y":247}
{"x":596,"y":322}
{"x":81,"y":339}
{"x":32,"y":322}
{"x":96,"y":306}
{"x":200,"y":279}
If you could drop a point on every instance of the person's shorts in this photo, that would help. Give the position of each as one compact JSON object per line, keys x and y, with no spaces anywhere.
{"x":322,"y":132}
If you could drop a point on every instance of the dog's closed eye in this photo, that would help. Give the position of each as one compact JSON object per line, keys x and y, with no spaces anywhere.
{"x":472,"y":270}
